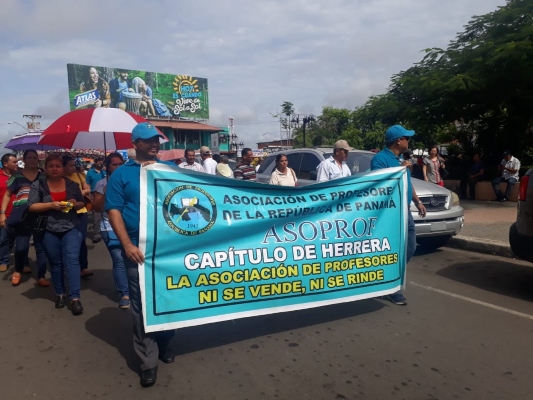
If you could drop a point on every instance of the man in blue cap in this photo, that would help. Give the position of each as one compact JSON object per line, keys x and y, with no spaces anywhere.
{"x":396,"y":143}
{"x":123,"y":208}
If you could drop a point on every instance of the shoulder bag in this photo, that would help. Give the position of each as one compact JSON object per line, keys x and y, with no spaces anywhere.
{"x":294,"y":176}
{"x":86,"y":198}
{"x":37,"y":222}
{"x":443,"y":172}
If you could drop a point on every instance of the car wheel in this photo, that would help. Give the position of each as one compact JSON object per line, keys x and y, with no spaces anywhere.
{"x":519,"y":245}
{"x":431,"y":243}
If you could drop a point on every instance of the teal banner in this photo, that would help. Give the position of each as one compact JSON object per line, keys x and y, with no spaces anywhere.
{"x":219,"y":249}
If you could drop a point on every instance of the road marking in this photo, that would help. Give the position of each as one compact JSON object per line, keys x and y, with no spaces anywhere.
{"x":470,"y":300}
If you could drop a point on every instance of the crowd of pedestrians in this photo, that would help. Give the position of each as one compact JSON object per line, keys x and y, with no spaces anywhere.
{"x":52,"y":206}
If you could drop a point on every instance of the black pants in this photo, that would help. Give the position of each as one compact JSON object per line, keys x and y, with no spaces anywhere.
{"x":146,"y":345}
{"x":471,"y":183}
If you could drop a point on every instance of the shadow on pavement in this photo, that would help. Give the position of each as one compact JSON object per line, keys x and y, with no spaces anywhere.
{"x":203,"y":337}
{"x":506,"y":278}
{"x":37,"y":292}
{"x":113,"y":326}
{"x":422,"y":251}
{"x":102,"y":283}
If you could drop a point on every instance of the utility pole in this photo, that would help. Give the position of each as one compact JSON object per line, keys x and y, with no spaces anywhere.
{"x":33,"y":126}
{"x":306,"y":120}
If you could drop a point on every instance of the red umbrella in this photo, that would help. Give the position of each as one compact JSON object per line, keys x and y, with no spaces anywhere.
{"x":172,"y":154}
{"x":93,"y":128}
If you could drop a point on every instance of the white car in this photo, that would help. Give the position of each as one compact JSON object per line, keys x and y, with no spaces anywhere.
{"x":444,"y":218}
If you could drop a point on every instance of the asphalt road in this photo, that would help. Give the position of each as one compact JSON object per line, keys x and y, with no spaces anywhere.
{"x":466,"y":334}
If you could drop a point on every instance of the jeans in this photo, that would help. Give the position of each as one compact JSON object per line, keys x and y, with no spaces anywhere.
{"x":119,"y":269}
{"x":510,"y":184}
{"x":411,"y":242}
{"x":7,"y":240}
{"x":39,"y":254}
{"x":22,"y":246}
{"x":63,"y":251}
{"x":411,"y":237}
{"x":82,"y":227}
{"x":97,"y":221}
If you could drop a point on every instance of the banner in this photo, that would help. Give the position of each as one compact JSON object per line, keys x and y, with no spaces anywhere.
{"x":219,"y":249}
{"x":150,"y":94}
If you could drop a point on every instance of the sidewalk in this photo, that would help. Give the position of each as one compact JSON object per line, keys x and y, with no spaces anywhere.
{"x":486,"y":228}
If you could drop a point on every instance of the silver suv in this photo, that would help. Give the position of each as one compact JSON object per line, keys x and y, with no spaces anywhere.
{"x":444,"y":218}
{"x":521,"y":232}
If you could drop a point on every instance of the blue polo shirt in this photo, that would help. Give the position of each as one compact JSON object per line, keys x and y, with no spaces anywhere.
{"x":387,"y":159}
{"x":123,"y":193}
{"x":93,"y":177}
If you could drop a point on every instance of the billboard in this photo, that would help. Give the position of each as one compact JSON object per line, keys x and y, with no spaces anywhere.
{"x":150,"y":94}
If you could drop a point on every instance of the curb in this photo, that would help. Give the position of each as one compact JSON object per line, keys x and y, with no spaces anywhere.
{"x":486,"y":246}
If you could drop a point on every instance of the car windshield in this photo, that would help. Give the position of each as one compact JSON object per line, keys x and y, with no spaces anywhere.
{"x":357,"y":161}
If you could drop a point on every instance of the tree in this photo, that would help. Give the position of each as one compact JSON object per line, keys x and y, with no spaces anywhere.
{"x":477,"y":91}
{"x":287,"y":109}
{"x":333,"y":124}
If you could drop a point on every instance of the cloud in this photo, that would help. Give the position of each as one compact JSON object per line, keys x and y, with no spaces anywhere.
{"x":255,"y":54}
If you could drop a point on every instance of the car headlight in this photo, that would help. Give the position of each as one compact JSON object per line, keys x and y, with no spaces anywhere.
{"x":455,"y":199}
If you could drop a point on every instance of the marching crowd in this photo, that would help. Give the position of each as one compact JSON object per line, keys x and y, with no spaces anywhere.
{"x":52,"y":206}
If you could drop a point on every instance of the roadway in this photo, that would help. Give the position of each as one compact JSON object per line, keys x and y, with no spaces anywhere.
{"x":465,"y":334}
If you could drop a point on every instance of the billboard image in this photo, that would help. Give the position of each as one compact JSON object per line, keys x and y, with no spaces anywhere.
{"x":150,"y":94}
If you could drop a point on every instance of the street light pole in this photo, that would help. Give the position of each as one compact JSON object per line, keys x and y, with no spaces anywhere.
{"x":306,"y":120}
{"x":15,"y":122}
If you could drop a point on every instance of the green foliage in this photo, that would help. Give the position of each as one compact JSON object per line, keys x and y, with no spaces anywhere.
{"x":287,"y":108}
{"x":333,"y":124}
{"x":478,"y":91}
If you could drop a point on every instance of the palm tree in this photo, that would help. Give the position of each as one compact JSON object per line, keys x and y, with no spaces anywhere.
{"x":287,"y":109}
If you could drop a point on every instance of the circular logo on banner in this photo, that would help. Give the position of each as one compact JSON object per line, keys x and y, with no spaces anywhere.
{"x":189,"y":210}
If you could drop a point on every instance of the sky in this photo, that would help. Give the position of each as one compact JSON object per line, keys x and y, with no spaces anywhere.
{"x":255,"y":55}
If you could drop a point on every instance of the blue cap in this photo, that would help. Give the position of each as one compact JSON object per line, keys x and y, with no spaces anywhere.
{"x":396,"y":132}
{"x":144,"y":131}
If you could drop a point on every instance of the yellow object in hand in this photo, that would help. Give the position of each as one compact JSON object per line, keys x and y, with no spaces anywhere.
{"x":68,"y":206}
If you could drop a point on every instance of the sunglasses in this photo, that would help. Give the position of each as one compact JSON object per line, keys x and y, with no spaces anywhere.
{"x":404,"y":138}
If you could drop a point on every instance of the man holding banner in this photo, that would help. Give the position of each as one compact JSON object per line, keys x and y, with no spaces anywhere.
{"x":397,"y":142}
{"x":123,"y":208}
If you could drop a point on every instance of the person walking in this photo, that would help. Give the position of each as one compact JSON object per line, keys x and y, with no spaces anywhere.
{"x":59,"y":199}
{"x":282,"y":174}
{"x":190,"y":162}
{"x":69,"y":169}
{"x":432,"y":165}
{"x":19,"y":186}
{"x":244,"y":170}
{"x":122,"y":204}
{"x":95,"y":174}
{"x":397,"y":142}
{"x":210,"y":165}
{"x":335,"y":166}
{"x":510,"y":168}
{"x":112,"y":162}
{"x":9,"y":166}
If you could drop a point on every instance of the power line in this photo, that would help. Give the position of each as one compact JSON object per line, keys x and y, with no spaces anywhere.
{"x":259,"y":123}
